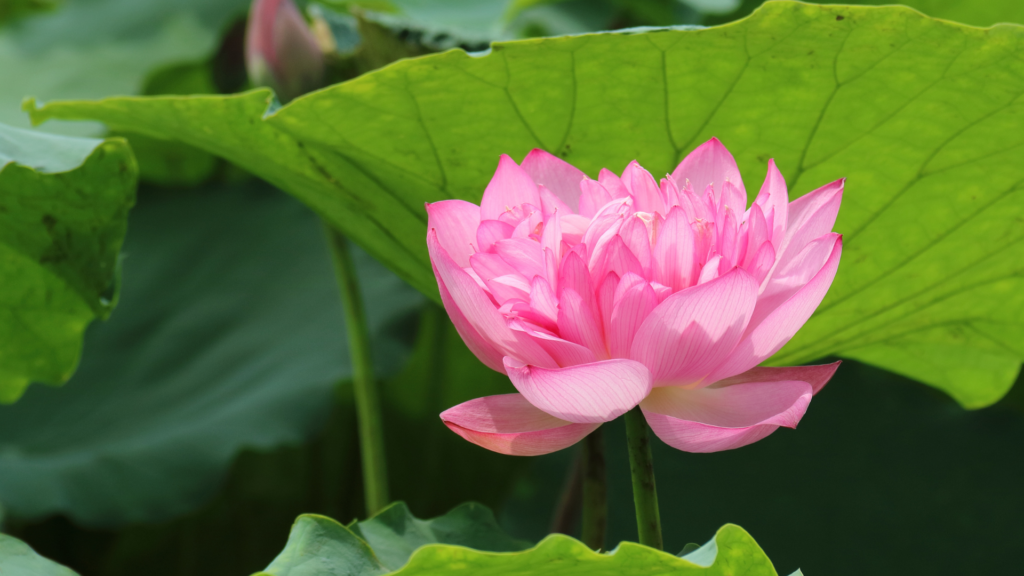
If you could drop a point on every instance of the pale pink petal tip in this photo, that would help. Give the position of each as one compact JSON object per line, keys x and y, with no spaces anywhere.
{"x":509,"y":424}
{"x":586,"y":393}
{"x":816,"y":375}
{"x":724,"y":418}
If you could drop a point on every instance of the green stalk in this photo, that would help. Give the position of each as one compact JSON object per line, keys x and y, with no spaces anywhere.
{"x":368,"y":414}
{"x":641,"y":465}
{"x":595,"y":491}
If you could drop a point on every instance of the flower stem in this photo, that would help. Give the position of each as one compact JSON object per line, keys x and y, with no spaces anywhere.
{"x":641,"y":465}
{"x":368,"y":414}
{"x":595,"y":491}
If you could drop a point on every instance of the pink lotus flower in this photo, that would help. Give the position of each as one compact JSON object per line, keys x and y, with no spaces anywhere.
{"x":280,"y":50}
{"x":596,"y":296}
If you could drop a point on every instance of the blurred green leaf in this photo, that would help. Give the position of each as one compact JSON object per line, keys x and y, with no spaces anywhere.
{"x":64,"y":206}
{"x":18,"y":559}
{"x":230,"y":335}
{"x":467,"y":540}
{"x":883,"y":96}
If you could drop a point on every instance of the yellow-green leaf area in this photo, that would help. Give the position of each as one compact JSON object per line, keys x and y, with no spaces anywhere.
{"x":924,"y":117}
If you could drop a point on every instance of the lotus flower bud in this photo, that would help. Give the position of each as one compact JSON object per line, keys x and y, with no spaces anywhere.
{"x":281,"y":51}
{"x":595,"y":296}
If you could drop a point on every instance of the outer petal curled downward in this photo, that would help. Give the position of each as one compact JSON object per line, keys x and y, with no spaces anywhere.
{"x":721,"y":417}
{"x":509,"y":424}
{"x":586,"y":393}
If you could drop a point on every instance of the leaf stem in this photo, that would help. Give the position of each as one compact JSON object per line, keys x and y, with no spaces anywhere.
{"x":368,"y":413}
{"x":641,"y":465}
{"x":595,"y":491}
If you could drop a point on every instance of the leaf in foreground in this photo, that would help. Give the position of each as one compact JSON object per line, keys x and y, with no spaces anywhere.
{"x":882,"y":95}
{"x":64,"y":206}
{"x":468,"y":541}
{"x":18,"y":559}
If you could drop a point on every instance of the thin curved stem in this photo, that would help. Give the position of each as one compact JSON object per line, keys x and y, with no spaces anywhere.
{"x":641,"y":465}
{"x":368,"y":413}
{"x":595,"y":491}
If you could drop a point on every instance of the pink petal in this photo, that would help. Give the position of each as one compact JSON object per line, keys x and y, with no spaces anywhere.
{"x":709,"y":164}
{"x":631,"y":309}
{"x":733,"y":198}
{"x":810,"y":216}
{"x":523,"y":254}
{"x":508,"y":287}
{"x":637,"y":237}
{"x":573,"y":227}
{"x":588,"y":393}
{"x":470,"y":300}
{"x":551,"y":204}
{"x":727,"y":234}
{"x":488,"y":265}
{"x":477,"y":344}
{"x":578,"y":323}
{"x":605,"y":299}
{"x":757,"y":233}
{"x":711,"y":270}
{"x":543,"y":300}
{"x":456,"y":222}
{"x":693,"y":330}
{"x":564,"y":352}
{"x":817,"y":375}
{"x":673,"y":252}
{"x":491,"y":231}
{"x":644,"y":189}
{"x":510,"y":187}
{"x":593,"y":197}
{"x":761,"y":264}
{"x":615,"y":257}
{"x":787,"y":280}
{"x":773,"y":199}
{"x":508,"y":424}
{"x":557,"y":175}
{"x":772,"y":333}
{"x":574,"y":275}
{"x":714,"y":419}
{"x":612,"y":183}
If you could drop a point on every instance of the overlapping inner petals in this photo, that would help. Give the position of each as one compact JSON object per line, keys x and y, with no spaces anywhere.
{"x":596,"y":295}
{"x":591,"y":270}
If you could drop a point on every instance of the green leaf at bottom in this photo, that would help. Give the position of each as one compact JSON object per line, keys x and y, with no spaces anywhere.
{"x":18,"y":559}
{"x":468,"y":541}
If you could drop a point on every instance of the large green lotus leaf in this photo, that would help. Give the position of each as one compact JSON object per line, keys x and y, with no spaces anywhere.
{"x":230,"y":335}
{"x":18,"y":559}
{"x":884,"y":96}
{"x":974,"y":12}
{"x":64,"y":206}
{"x":468,"y":541}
